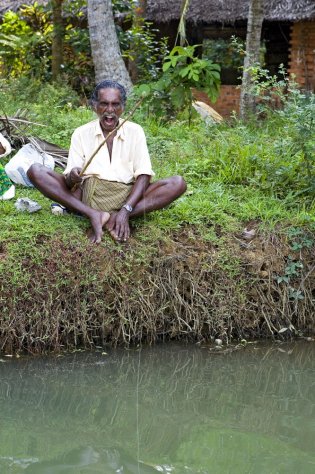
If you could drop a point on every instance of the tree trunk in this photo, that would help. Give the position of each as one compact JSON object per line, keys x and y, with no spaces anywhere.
{"x":107,"y":59}
{"x":57,"y":39}
{"x":254,"y":25}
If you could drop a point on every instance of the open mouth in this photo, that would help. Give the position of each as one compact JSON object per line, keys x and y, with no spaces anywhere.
{"x":109,"y":120}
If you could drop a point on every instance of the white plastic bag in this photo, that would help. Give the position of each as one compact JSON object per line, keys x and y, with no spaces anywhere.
{"x":17,"y":167}
{"x":9,"y":194}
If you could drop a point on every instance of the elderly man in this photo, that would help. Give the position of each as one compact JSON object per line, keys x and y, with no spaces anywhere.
{"x":116,"y":185}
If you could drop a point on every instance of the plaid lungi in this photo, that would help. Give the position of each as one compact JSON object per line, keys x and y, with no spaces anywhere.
{"x":105,"y":195}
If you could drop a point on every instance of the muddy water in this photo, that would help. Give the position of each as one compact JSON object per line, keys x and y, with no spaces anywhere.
{"x":170,"y":408}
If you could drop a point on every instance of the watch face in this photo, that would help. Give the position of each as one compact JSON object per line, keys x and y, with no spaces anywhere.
{"x":128,"y":207}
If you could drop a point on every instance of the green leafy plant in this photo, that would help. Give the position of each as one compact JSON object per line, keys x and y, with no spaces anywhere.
{"x":284,"y":106}
{"x":300,"y":239}
{"x":182,"y":71}
{"x":139,"y":44}
{"x":227,"y":53}
{"x":291,"y":270}
{"x":25,"y":40}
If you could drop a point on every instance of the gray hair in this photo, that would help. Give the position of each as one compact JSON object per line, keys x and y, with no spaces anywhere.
{"x":107,"y":84}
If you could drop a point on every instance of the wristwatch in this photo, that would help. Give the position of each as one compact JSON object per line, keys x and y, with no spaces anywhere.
{"x":128,"y":207}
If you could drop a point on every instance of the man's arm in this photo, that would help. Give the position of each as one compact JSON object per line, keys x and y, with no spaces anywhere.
{"x":120,"y":226}
{"x":2,"y":149}
{"x":75,"y":161}
{"x":140,"y":186}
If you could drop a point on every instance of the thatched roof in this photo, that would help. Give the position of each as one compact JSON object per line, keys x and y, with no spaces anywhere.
{"x":15,"y":5}
{"x":208,"y":11}
{"x":229,"y":11}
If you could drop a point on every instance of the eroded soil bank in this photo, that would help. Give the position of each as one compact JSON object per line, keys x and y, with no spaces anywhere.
{"x":179,"y":287}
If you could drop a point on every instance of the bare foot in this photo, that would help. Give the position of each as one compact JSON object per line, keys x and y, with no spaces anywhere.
{"x":98,"y":219}
{"x":118,"y":227}
{"x":110,"y":226}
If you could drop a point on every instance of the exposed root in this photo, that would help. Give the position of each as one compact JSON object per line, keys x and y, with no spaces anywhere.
{"x":185,"y":290}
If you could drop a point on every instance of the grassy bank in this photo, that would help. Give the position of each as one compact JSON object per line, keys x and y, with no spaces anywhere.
{"x":188,"y":271}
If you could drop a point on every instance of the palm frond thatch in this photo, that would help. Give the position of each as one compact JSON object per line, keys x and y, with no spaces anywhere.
{"x":206,"y":11}
{"x":14,"y":5}
{"x":229,"y":11}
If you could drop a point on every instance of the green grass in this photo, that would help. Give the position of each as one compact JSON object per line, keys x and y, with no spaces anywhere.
{"x":235,"y":172}
{"x":184,"y":260}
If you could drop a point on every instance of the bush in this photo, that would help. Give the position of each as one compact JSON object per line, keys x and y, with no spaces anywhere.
{"x":182,"y":70}
{"x":291,"y":111}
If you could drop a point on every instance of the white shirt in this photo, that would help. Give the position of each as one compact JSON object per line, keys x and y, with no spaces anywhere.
{"x":130,"y":155}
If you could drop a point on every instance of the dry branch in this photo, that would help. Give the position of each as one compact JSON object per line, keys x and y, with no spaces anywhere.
{"x":15,"y":129}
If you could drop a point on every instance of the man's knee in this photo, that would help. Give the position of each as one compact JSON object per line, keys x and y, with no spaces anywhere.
{"x":179,"y":184}
{"x":35,"y":171}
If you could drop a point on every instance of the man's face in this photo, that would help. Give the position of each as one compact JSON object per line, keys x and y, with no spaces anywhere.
{"x":109,"y":108}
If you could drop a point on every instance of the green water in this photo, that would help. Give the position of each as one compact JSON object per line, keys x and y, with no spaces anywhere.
{"x":169,"y":408}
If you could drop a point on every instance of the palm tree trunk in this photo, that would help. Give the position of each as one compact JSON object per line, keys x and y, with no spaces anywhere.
{"x":107,"y":59}
{"x":254,"y":25}
{"x":57,"y":40}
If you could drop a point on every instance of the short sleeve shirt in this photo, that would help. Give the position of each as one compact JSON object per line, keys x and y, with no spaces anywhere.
{"x":130,"y":155}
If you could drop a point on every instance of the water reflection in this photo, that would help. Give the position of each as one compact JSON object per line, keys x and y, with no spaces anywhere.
{"x":168,"y":408}
{"x":110,"y":461}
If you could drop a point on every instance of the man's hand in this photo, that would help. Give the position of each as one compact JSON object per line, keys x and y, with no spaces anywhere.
{"x":74,"y":178}
{"x":119,"y":226}
{"x":2,"y":149}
